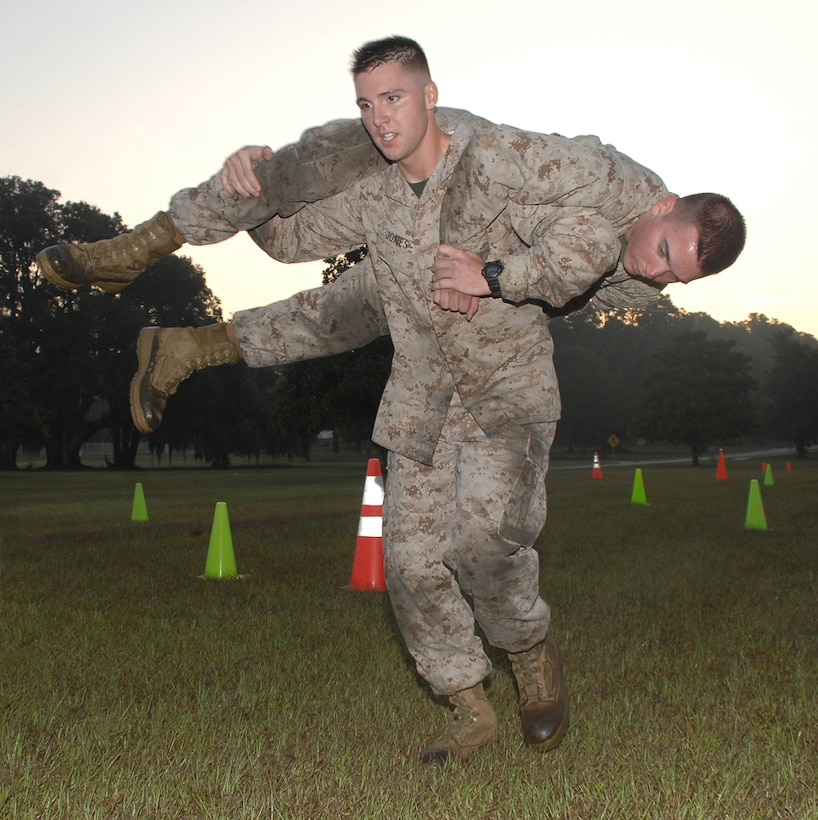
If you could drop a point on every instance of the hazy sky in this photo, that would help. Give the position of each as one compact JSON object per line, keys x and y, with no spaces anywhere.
{"x":122,"y":104}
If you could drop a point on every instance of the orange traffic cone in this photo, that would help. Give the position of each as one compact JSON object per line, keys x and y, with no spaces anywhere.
{"x":367,"y":565}
{"x":597,"y":471}
{"x":763,"y":466}
{"x":788,"y":467}
{"x":721,"y":470}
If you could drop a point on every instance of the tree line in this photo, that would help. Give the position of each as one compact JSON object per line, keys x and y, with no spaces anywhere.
{"x":67,"y":357}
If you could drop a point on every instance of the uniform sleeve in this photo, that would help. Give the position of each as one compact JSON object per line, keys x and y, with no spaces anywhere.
{"x":622,"y":291}
{"x":335,"y":318}
{"x":569,"y":250}
{"x":317,"y":231}
{"x":563,"y":203}
{"x":573,"y":252}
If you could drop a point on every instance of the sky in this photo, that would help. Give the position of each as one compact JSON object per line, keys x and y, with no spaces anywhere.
{"x":122,"y":104}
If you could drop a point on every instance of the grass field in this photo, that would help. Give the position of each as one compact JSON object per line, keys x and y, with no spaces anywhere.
{"x":132,"y":687}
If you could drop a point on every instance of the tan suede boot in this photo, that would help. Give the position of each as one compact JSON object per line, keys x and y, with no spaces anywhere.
{"x":111,"y":264}
{"x":166,"y":357}
{"x":474,"y":725}
{"x":543,"y":697}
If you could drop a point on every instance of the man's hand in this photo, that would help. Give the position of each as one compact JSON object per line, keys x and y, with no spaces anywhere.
{"x":459,"y":270}
{"x":237,"y":174}
{"x":453,"y":300}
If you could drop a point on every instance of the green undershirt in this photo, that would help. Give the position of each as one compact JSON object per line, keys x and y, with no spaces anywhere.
{"x":418,"y":187}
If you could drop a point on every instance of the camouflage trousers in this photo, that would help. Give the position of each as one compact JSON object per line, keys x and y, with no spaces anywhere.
{"x":326,"y":160}
{"x":458,"y":539}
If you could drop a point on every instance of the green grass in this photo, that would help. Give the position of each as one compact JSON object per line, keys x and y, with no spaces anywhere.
{"x":131,"y":687}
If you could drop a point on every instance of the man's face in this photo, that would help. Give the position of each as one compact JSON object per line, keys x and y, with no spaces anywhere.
{"x":662,"y":249}
{"x":395,"y":104}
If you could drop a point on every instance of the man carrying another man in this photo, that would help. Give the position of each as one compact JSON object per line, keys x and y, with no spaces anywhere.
{"x":465,"y":217}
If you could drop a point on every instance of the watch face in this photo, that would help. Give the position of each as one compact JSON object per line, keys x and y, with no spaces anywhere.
{"x":491,"y":272}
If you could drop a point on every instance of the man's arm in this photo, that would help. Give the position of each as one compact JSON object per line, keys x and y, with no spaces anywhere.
{"x":550,"y":208}
{"x":570,"y":250}
{"x":560,"y":257}
{"x":341,"y":316}
{"x":316,"y":231}
{"x":341,"y":151}
{"x":325,"y":160}
{"x":623,"y":291}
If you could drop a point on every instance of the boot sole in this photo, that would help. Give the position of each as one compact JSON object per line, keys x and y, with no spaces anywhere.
{"x":435,"y":756}
{"x":49,"y":273}
{"x":144,"y":349}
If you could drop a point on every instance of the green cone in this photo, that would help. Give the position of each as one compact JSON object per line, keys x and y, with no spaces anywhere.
{"x":139,"y":512}
{"x":638,"y":494}
{"x":755,"y":519}
{"x":221,"y":562}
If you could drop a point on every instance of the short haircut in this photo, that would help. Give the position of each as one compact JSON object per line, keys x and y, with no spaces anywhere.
{"x":722,"y":231}
{"x":389,"y":50}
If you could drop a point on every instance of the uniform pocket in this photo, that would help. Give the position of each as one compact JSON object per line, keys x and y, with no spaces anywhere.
{"x":525,"y":513}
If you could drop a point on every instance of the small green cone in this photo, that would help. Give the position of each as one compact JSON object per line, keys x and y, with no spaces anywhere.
{"x":139,"y":512}
{"x":755,"y":519}
{"x":768,"y":475}
{"x":638,"y":494}
{"x":221,"y":562}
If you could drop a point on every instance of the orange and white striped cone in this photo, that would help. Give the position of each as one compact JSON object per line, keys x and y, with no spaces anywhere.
{"x":367,"y":565}
{"x":597,"y":471}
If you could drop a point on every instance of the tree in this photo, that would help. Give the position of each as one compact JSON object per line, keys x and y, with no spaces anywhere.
{"x":353,"y":402}
{"x":698,"y":395}
{"x":29,"y":216}
{"x":602,"y":360}
{"x":170,"y":293}
{"x":341,"y":392}
{"x":587,"y":388}
{"x":69,"y":354}
{"x":302,"y":399}
{"x":792,"y":390}
{"x":21,"y":420}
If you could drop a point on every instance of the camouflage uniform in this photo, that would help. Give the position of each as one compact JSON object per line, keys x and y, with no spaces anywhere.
{"x":469,"y":410}
{"x":324,"y":161}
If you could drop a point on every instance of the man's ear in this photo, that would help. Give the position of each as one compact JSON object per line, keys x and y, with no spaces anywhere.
{"x":430,"y":91}
{"x":664,"y":206}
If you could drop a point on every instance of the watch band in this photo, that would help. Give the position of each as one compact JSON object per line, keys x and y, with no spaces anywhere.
{"x":491,"y":273}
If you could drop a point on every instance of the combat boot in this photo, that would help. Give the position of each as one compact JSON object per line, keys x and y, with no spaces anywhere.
{"x":474,"y":725}
{"x":111,"y":264}
{"x":166,"y":357}
{"x":543,"y":697}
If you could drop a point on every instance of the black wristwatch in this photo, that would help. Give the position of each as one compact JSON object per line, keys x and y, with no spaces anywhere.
{"x":491,"y":273}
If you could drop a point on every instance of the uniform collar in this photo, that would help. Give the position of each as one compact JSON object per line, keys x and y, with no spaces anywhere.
{"x":398,"y":188}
